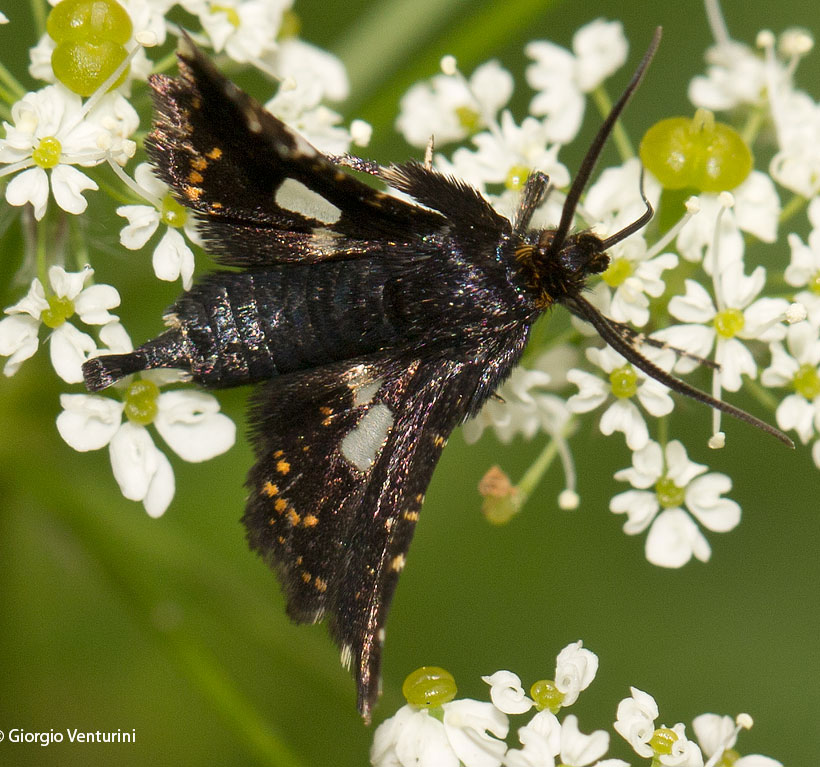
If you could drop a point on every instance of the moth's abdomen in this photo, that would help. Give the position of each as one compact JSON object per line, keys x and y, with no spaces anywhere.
{"x":242,"y":327}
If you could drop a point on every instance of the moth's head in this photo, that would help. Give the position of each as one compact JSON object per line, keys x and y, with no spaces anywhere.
{"x":557,"y":270}
{"x":582,"y":254}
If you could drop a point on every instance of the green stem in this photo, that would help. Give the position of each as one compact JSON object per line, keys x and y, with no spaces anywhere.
{"x":13,"y":89}
{"x":39,"y":12}
{"x":40,"y":235}
{"x":792,"y":208}
{"x":79,"y":244}
{"x":752,"y":127}
{"x":619,"y":135}
{"x":533,"y":476}
{"x":164,"y":64}
{"x":761,"y":394}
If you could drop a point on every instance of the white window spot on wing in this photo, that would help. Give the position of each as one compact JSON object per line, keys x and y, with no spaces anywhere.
{"x":347,"y":656}
{"x":294,"y":196}
{"x":362,"y":444}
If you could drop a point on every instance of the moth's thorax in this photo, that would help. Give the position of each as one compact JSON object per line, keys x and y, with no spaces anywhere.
{"x":552,"y":275}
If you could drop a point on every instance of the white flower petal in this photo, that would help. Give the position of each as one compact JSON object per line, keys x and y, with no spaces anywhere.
{"x":29,"y":186}
{"x":734,"y":360}
{"x":592,"y":391}
{"x":578,"y":749}
{"x":173,"y":258}
{"x":695,"y":306}
{"x":714,"y":732}
{"x":18,"y":340}
{"x":674,"y":538}
{"x":601,"y":49}
{"x":94,"y":302}
{"x":794,"y":412}
{"x":506,"y":692}
{"x":33,"y":303}
{"x":640,"y":507}
{"x":88,"y":422}
{"x":635,"y":721}
{"x":647,"y":467}
{"x":575,"y":668}
{"x":69,"y":349}
{"x":68,"y":184}
{"x":623,"y":415}
{"x":161,"y":488}
{"x":713,"y":512}
{"x":468,"y":724}
{"x":68,"y":284}
{"x":193,"y":427}
{"x":134,"y":460}
{"x":143,"y":221}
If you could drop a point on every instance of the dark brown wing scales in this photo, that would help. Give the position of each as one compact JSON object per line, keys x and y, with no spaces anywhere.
{"x":344,"y":455}
{"x":246,"y":173}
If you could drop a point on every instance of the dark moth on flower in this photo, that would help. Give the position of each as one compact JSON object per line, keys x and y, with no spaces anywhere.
{"x":371,"y":326}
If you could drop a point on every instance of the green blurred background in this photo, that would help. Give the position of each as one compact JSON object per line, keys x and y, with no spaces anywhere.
{"x":172,"y":628}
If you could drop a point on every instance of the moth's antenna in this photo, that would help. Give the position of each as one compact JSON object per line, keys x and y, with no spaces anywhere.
{"x":588,"y":165}
{"x":638,"y":224}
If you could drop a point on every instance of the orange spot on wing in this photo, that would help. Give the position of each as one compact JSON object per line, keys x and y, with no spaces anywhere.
{"x":214,"y":154}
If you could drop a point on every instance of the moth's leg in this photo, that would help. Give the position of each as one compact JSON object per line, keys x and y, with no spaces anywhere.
{"x":428,"y":153}
{"x":535,"y":192}
{"x":347,"y":160}
{"x":635,"y":338}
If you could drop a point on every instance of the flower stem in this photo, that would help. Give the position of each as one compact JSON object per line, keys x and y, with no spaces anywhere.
{"x":535,"y":473}
{"x":619,"y":135}
{"x":13,"y":90}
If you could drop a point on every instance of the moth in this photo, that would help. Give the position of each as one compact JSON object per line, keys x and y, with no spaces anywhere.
{"x":372,"y":327}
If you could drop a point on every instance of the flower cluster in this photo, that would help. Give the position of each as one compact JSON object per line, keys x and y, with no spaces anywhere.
{"x":695,"y":270}
{"x":75,"y":136}
{"x":434,"y":729}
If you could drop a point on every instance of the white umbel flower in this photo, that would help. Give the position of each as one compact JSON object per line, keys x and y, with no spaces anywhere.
{"x":671,"y":492}
{"x":69,"y":347}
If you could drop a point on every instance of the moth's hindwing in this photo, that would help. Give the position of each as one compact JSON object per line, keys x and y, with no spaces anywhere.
{"x":344,"y":455}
